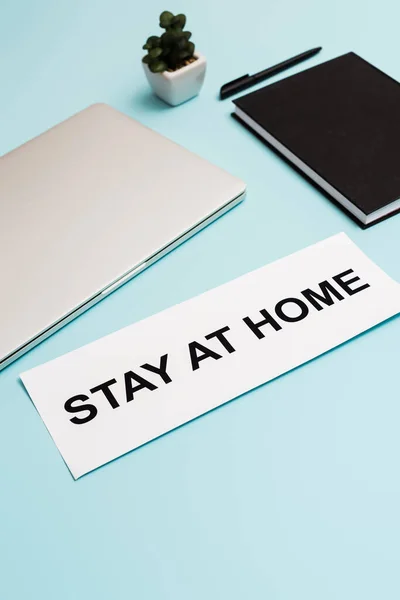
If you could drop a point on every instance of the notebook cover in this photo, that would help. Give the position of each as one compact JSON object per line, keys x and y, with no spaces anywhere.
{"x":311,"y":181}
{"x":341,"y":118}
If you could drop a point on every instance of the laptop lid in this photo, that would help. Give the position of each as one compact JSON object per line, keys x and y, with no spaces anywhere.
{"x":86,"y":203}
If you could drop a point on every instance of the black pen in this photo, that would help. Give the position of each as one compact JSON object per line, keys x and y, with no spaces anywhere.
{"x":246,"y":81}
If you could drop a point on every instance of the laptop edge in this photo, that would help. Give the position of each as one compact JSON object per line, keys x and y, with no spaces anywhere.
{"x":114,"y":285}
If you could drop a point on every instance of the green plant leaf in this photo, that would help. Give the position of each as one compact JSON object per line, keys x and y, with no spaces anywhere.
{"x":146,"y":47}
{"x":187,"y":34}
{"x":182,"y":43}
{"x":146,"y":59}
{"x":155,"y":52}
{"x":158,"y":66}
{"x":166,"y":18}
{"x":153,"y":41}
{"x":179,"y":21}
{"x":168,"y":39}
{"x":190,"y":48}
{"x":183,"y":54}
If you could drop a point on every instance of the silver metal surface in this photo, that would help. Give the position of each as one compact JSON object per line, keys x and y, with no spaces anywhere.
{"x":86,"y":206}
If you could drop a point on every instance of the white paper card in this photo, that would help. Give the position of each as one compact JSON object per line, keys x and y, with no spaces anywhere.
{"x":121,"y":391}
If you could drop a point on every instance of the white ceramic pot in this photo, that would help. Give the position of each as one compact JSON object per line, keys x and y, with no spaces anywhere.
{"x":178,"y":86}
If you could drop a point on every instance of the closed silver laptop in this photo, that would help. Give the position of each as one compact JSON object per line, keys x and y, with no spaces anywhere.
{"x":86,"y":206}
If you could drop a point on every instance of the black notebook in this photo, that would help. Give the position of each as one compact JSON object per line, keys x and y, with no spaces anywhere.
{"x":339,"y":123}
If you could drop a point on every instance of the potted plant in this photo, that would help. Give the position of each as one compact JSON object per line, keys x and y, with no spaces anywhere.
{"x":174,"y":70}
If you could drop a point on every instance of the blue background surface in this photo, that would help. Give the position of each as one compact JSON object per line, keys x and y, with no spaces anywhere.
{"x":291,"y":491}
